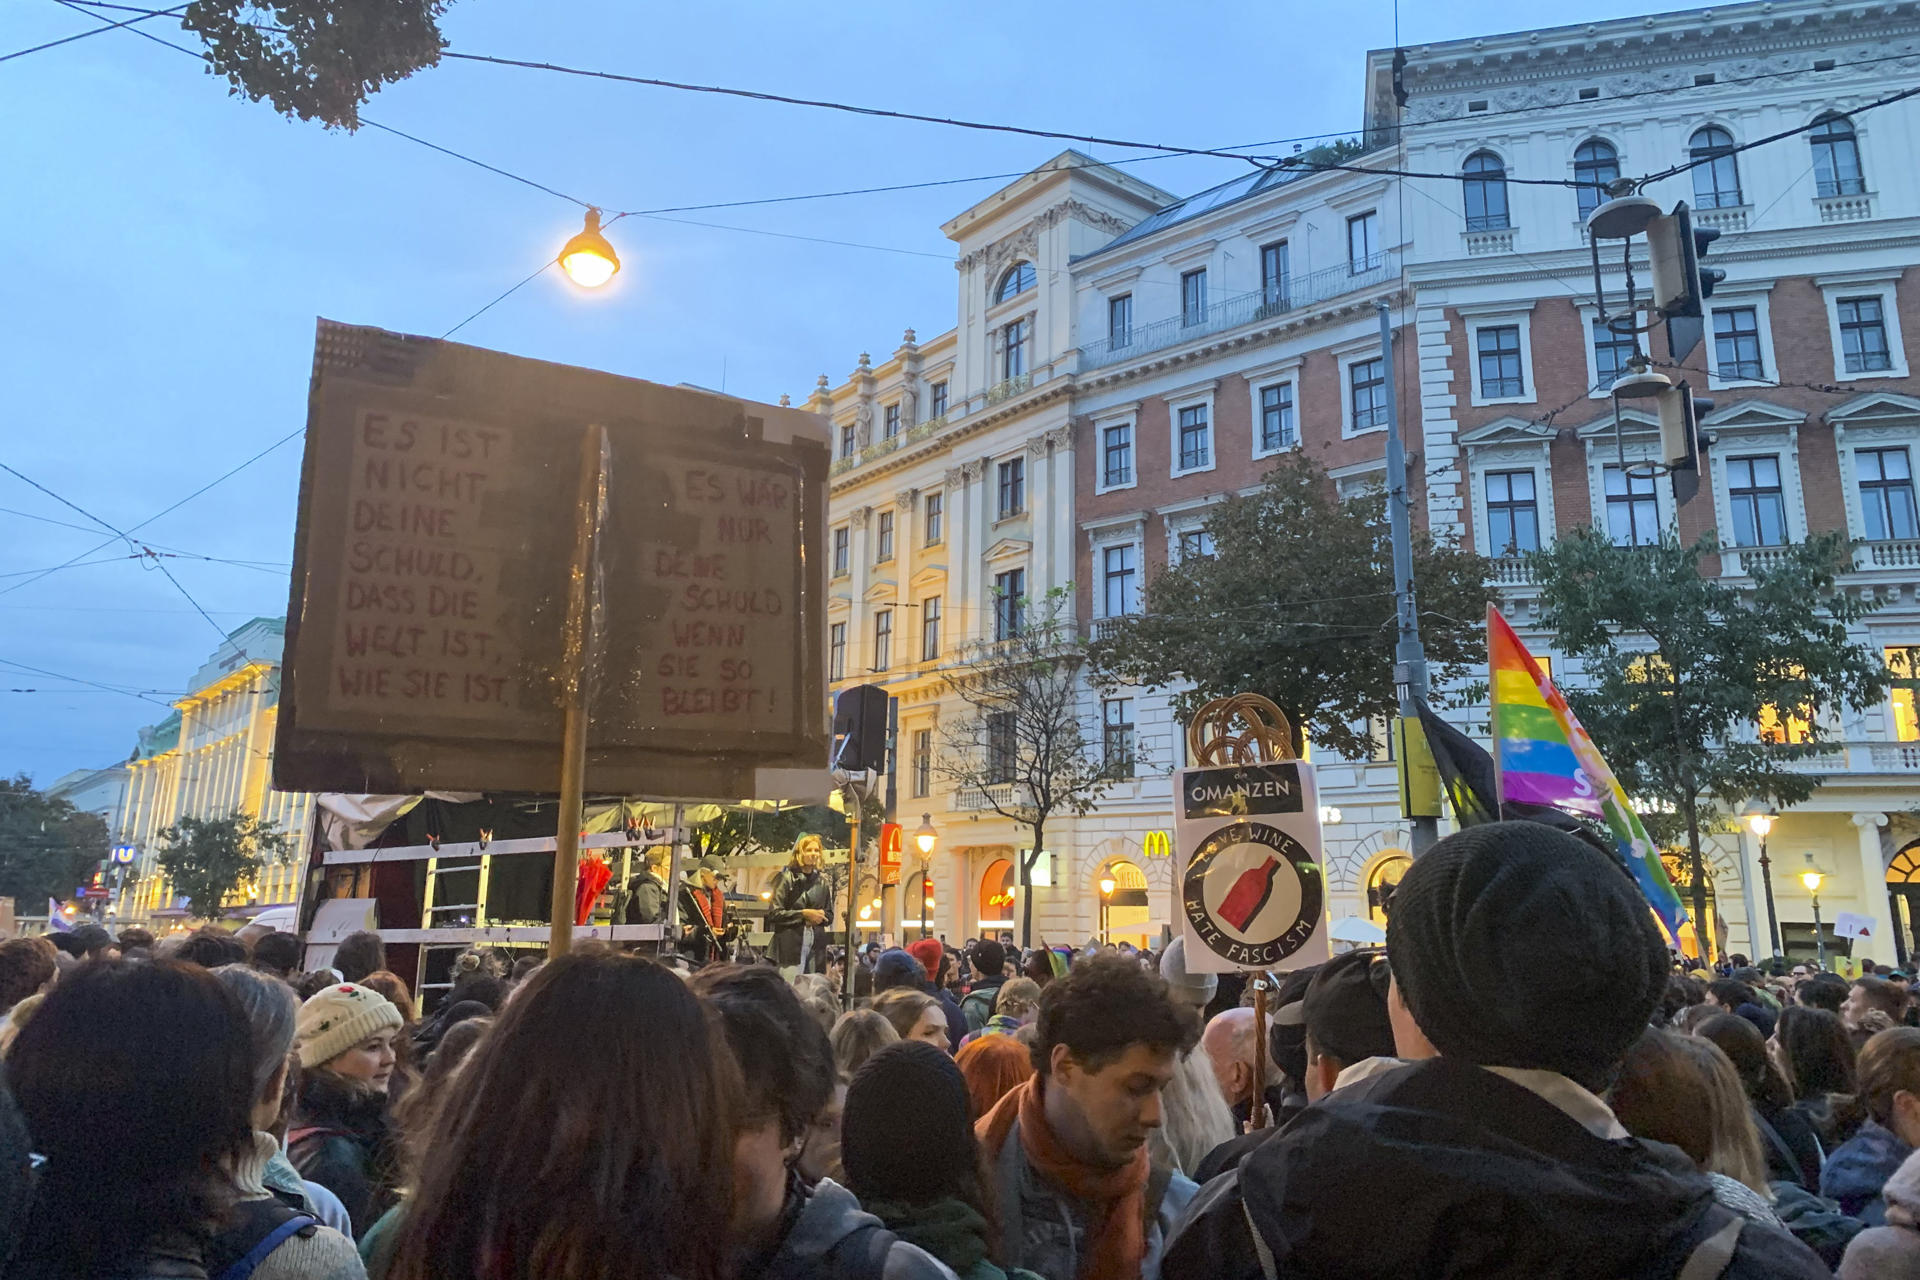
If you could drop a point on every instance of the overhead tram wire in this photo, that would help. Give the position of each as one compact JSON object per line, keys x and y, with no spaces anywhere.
{"x":140,"y":15}
{"x":124,"y":536}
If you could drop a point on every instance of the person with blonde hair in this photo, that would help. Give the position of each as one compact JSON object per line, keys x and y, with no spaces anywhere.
{"x":915,"y":1015}
{"x":800,"y":911}
{"x":857,"y":1036}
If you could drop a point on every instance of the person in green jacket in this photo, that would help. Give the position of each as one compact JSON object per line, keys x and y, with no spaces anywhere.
{"x":908,"y":1148}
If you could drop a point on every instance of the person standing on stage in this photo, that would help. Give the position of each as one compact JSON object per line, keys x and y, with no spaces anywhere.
{"x":707,"y":930}
{"x":801,"y":911}
{"x":646,"y":892}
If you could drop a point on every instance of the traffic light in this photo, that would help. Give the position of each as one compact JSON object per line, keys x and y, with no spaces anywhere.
{"x":1680,"y":417}
{"x":860,"y":728}
{"x":1675,"y":246}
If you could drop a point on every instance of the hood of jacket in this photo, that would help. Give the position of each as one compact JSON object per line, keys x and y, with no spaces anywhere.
{"x":951,"y":1229}
{"x":1479,"y":1177}
{"x":1902,"y":1193}
{"x":1862,"y":1165}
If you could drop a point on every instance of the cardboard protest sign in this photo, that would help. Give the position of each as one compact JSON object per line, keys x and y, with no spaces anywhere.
{"x":438,"y":511}
{"x":1252,"y":892}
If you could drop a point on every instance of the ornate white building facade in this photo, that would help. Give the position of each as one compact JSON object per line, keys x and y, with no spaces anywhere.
{"x":1165,"y":350}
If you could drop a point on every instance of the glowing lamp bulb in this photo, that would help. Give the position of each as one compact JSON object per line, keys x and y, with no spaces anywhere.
{"x":588,"y":258}
{"x":1106,"y":886}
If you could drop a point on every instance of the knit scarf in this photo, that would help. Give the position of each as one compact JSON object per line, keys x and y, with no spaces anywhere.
{"x":1115,"y":1199}
{"x":950,"y":1229}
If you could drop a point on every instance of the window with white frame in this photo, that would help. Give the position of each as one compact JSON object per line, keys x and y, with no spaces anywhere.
{"x":1716,"y":168}
{"x":1502,"y":376}
{"x":1120,"y":321}
{"x":1863,"y":335}
{"x":1595,"y":164}
{"x":1013,"y":349}
{"x":1275,"y":273}
{"x":1009,"y":603}
{"x":1836,"y":157}
{"x":922,"y":763}
{"x":1003,"y":749}
{"x":1885,"y":479}
{"x":1756,"y":502}
{"x":930,"y":629}
{"x":1363,"y":242}
{"x":883,"y":639}
{"x":1012,"y":486}
{"x":1277,"y":430}
{"x":1195,"y":542}
{"x":1513,"y":513}
{"x":1484,"y":180}
{"x":1019,"y":278}
{"x":1193,"y":438}
{"x":1116,"y":455}
{"x":937,"y":400}
{"x":890,"y":420}
{"x":1633,"y":511}
{"x":842,"y":550}
{"x":1193,"y":296}
{"x":837,"y":651}
{"x":1610,"y":352}
{"x":1737,"y":355}
{"x":934,"y":508}
{"x":1116,"y":734}
{"x":1367,"y":395}
{"x":1119,"y":578}
{"x":883,"y":538}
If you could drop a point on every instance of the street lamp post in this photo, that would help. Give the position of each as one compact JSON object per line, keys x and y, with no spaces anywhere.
{"x":1106,"y":899}
{"x":924,"y":839}
{"x":1811,"y":878}
{"x":1761,"y":822}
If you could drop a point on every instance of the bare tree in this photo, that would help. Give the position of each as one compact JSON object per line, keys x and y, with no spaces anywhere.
{"x":1020,"y":746}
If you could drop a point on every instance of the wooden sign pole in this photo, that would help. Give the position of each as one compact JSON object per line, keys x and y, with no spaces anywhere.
{"x":581,"y":664}
{"x":1257,"y":1115}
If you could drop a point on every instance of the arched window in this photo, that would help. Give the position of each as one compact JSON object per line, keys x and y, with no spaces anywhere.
{"x":1716,"y":174}
{"x":1836,"y":157}
{"x":1595,"y":164}
{"x":1382,"y":880}
{"x":1486,"y":192}
{"x":999,"y":895}
{"x":1018,"y":280}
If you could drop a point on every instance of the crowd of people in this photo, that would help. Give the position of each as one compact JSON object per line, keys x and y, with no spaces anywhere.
{"x":1521,"y":1083}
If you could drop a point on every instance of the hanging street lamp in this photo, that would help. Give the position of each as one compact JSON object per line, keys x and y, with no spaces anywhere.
{"x":588,"y":258}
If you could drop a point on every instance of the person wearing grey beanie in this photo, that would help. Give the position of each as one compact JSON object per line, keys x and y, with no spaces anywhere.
{"x":1524,"y":963}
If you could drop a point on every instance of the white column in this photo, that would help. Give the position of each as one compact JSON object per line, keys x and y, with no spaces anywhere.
{"x":1062,"y":515}
{"x":1759,"y":941}
{"x":1040,"y":502}
{"x":1873,"y":888}
{"x":860,"y":618}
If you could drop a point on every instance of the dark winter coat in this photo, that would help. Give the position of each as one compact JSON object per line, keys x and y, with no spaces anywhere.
{"x":794,"y":891}
{"x":1792,"y":1147}
{"x":826,"y":1235}
{"x":1440,"y":1169}
{"x":1857,"y":1172}
{"x":951,"y":1231}
{"x":978,"y":1006}
{"x":340,"y":1139}
{"x":646,"y":899}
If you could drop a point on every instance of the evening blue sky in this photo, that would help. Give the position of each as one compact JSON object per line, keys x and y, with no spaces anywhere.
{"x":170,"y":247}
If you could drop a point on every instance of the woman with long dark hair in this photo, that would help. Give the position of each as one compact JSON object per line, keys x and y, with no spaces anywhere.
{"x":589,"y":1137}
{"x":908,"y":1147}
{"x":1812,"y":1051}
{"x":136,"y":1083}
{"x":1791,"y":1148}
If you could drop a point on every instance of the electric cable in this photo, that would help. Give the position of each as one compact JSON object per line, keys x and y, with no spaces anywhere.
{"x":139,"y":16}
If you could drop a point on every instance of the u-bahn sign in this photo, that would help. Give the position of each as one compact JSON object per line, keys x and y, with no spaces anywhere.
{"x":1252,"y":889}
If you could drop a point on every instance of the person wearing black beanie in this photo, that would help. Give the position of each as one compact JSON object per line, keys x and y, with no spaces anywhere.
{"x":1524,"y":962}
{"x":908,"y":1148}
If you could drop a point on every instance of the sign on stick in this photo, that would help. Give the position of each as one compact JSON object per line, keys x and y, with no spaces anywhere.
{"x":1252,"y":893}
{"x":440,"y":499}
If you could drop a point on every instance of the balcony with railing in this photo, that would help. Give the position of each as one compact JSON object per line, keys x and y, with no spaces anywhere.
{"x":1484,"y":240}
{"x":1290,"y":295}
{"x":1731,"y":217}
{"x":1000,"y":795}
{"x":1512,"y":571}
{"x":1847,"y":207}
{"x":1009,"y":388}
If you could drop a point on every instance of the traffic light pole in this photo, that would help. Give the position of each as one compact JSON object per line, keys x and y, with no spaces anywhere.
{"x":1409,"y":655}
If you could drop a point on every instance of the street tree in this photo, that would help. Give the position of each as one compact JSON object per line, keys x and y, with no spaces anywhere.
{"x":207,"y":859}
{"x":737,"y":832}
{"x":47,"y":846}
{"x":1020,"y":747}
{"x":1295,"y":602}
{"x":316,"y":59}
{"x":1702,"y":694}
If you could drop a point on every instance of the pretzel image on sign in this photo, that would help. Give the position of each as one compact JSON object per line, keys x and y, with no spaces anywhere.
{"x":1247,"y":826}
{"x":1266,"y":733}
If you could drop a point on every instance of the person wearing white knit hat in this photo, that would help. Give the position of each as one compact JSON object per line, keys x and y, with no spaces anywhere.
{"x":339,"y":1136}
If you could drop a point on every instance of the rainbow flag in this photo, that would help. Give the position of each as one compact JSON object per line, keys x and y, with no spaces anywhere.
{"x":1542,"y":755}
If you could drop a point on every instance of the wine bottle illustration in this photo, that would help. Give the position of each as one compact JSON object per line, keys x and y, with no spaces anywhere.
{"x":1249,"y":894}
